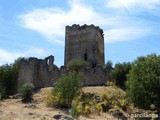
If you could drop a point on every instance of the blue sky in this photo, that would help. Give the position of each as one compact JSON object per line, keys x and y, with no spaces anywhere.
{"x":36,"y":28}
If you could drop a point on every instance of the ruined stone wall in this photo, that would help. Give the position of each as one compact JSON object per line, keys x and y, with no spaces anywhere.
{"x":27,"y":71}
{"x":43,"y":73}
{"x":94,"y":76}
{"x":84,"y":43}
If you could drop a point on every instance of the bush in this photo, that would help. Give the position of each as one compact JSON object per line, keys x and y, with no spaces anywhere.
{"x":27,"y":91}
{"x":68,"y":87}
{"x":79,"y":108}
{"x":83,"y":104}
{"x":76,"y":64}
{"x":143,"y":82}
{"x":9,"y":77}
{"x":73,"y":112}
{"x":87,"y":104}
{"x":98,"y":108}
{"x":110,"y":83}
{"x":87,"y":109}
{"x":114,"y":98}
{"x":119,"y":74}
{"x":52,"y":100}
{"x":2,"y":91}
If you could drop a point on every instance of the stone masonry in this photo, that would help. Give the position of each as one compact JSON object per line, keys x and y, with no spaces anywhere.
{"x":42,"y":73}
{"x":82,"y":42}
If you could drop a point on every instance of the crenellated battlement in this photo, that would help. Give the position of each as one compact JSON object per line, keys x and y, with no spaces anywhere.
{"x":83,"y":27}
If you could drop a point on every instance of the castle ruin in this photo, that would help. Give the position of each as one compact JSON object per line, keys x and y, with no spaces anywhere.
{"x":82,"y":43}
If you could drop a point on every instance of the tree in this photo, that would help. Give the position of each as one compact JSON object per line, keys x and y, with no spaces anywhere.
{"x":2,"y":91}
{"x":119,"y":74}
{"x":9,"y":77}
{"x":109,"y":68}
{"x":68,"y":87}
{"x":109,"y":65}
{"x":143,"y":82}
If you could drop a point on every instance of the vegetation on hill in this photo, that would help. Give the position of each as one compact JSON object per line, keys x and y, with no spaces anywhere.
{"x":143,"y":82}
{"x":8,"y":78}
{"x":66,"y":88}
{"x":27,"y":91}
{"x":91,"y":103}
{"x":119,"y":74}
{"x":140,"y":79}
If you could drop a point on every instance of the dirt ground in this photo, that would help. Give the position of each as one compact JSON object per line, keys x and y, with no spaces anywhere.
{"x":14,"y":109}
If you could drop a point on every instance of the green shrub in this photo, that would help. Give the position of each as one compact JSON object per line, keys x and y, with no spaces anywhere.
{"x":49,"y":98}
{"x":143,"y":82}
{"x":86,"y":98}
{"x":119,"y":74}
{"x":152,"y":106}
{"x":76,"y":64}
{"x":86,"y":103}
{"x":2,"y":91}
{"x":79,"y":108}
{"x":113,"y":98}
{"x":68,"y":87}
{"x":87,"y":109}
{"x":27,"y":91}
{"x":110,"y":83}
{"x":98,"y":108}
{"x":52,"y":100}
{"x":9,"y":77}
{"x":74,"y":112}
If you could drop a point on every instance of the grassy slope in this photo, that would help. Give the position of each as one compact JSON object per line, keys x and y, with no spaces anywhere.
{"x":14,"y":109}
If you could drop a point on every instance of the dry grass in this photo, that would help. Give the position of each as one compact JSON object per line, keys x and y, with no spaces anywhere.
{"x":14,"y":109}
{"x":99,"y":89}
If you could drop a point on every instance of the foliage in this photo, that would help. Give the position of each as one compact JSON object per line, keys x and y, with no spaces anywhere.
{"x":87,"y":109}
{"x":83,"y":104}
{"x":87,"y":103}
{"x":86,"y":98}
{"x":79,"y":108}
{"x":73,"y":112}
{"x":2,"y":91}
{"x":109,"y":68}
{"x":143,"y":82}
{"x":152,"y":106}
{"x":9,"y":77}
{"x":119,"y":74}
{"x":76,"y":64}
{"x":114,"y":98}
{"x":109,"y":65}
{"x":98,"y":107}
{"x":27,"y":91}
{"x":52,"y":100}
{"x":68,"y":87}
{"x":110,"y":83}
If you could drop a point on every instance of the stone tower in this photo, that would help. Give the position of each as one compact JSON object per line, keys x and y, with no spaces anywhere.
{"x":84,"y":43}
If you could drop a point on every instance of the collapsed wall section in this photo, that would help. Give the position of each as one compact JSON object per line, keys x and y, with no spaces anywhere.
{"x":27,"y":71}
{"x":42,"y":73}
